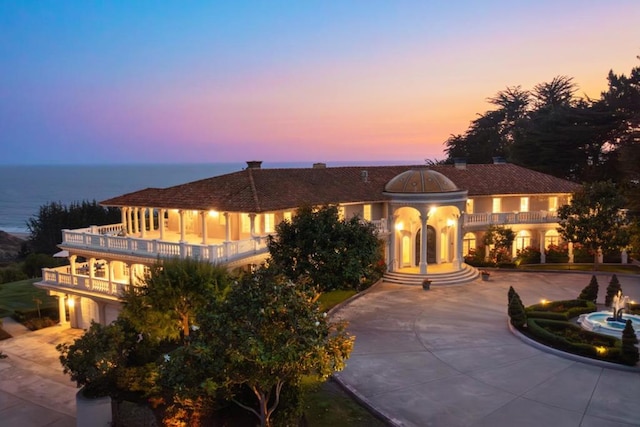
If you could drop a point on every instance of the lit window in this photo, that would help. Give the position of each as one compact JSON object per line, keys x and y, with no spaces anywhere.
{"x":497,"y":205}
{"x":468,"y":243}
{"x":341,"y":212}
{"x":523,"y":240}
{"x":223,"y":219}
{"x":524,"y":204}
{"x":553,"y":203}
{"x":287,"y":216}
{"x":246,"y":223}
{"x":469,"y":206}
{"x":366,"y":212}
{"x":268,"y":223}
{"x":551,"y":238}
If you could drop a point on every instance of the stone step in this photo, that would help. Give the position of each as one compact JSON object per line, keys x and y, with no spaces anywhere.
{"x":465,"y":275}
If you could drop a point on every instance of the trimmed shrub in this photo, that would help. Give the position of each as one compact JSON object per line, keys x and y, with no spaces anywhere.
{"x":516,"y":311}
{"x":560,"y":310}
{"x":528,"y":255}
{"x":555,"y":254}
{"x":590,"y":292}
{"x":612,"y":290}
{"x":629,"y":354}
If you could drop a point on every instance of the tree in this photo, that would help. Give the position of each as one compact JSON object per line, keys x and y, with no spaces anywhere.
{"x":590,"y":292}
{"x":46,"y":227}
{"x":516,"y":310}
{"x":164,"y":305}
{"x":318,"y":247}
{"x":595,"y":219}
{"x":629,"y":354}
{"x":501,"y":238}
{"x":268,"y":333}
{"x":612,"y":290}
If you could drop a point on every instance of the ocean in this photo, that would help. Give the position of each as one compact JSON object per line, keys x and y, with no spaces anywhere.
{"x":23,"y":189}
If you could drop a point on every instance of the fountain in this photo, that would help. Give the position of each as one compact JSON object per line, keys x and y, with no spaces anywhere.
{"x":603,"y":322}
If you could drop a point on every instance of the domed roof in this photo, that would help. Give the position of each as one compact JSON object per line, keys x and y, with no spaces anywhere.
{"x":420,"y":181}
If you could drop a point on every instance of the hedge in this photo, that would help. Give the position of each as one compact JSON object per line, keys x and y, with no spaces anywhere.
{"x":574,"y":309}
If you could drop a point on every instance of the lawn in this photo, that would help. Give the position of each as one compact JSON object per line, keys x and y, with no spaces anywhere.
{"x":21,"y":296}
{"x":609,"y":268}
{"x":328,"y":300}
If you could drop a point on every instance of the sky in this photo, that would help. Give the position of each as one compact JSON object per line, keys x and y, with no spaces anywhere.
{"x":95,"y":82}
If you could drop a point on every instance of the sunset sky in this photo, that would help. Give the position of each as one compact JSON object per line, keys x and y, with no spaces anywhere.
{"x":180,"y":82}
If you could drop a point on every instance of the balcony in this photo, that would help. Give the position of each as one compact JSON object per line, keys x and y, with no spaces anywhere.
{"x":109,"y":239}
{"x":61,"y":279}
{"x":505,"y":218}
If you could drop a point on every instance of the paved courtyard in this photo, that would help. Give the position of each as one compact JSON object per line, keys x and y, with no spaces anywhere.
{"x":446,"y":357}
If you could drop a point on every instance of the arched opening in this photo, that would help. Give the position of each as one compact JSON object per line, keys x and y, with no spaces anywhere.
{"x":522,"y":240}
{"x":551,"y":238}
{"x":406,"y":251}
{"x":431,"y":245}
{"x":468,"y":244}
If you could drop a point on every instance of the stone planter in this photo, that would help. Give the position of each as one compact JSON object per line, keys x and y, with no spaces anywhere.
{"x":426,"y":285}
{"x":92,"y":412}
{"x":485,"y":277}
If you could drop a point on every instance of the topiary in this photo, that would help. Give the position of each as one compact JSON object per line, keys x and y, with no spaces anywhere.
{"x":510,"y":294}
{"x":612,"y":290}
{"x":590,"y":292}
{"x":629,"y":354}
{"x":516,"y":311}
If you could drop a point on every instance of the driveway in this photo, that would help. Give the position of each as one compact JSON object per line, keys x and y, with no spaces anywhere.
{"x":33,"y":390}
{"x":446,"y":357}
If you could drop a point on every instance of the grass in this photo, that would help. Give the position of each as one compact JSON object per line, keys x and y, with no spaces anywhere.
{"x":327,"y":405}
{"x":21,"y":296}
{"x":328,"y":300}
{"x":609,"y":268}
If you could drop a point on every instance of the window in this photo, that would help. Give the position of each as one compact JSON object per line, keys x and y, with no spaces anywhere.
{"x":551,"y":237}
{"x":223,"y":219}
{"x":268,"y":223}
{"x":341,"y":212}
{"x":366,"y":212}
{"x":287,"y":216}
{"x":469,"y":206}
{"x":468,"y":243}
{"x":497,"y":205}
{"x":553,"y":203}
{"x":246,"y":223}
{"x":523,"y":240}
{"x":524,"y":204}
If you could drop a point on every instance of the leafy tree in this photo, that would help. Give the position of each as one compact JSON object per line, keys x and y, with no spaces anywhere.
{"x":501,"y":238}
{"x":266,"y":334}
{"x":590,"y":292}
{"x":318,"y":247}
{"x":629,"y":354}
{"x":46,"y":227}
{"x":612,"y":290}
{"x":595,"y":219}
{"x":164,"y":305}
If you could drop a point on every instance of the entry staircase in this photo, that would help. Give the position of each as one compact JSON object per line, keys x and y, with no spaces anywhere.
{"x":465,"y":275}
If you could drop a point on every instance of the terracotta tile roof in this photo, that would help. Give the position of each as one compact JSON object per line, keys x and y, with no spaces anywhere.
{"x":263,"y":190}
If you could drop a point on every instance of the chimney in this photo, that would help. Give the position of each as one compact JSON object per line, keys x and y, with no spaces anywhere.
{"x":254,"y":164}
{"x":460,"y":163}
{"x":499,"y":160}
{"x":364,"y":174}
{"x":319,"y":165}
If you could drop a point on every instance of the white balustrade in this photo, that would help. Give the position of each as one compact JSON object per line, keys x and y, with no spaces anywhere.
{"x":505,"y":218}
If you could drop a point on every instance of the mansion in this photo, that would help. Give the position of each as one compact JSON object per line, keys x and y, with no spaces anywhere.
{"x":429,"y":218}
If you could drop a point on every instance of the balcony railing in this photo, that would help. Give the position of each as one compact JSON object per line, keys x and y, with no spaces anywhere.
{"x":504,"y":218}
{"x":61,"y":277}
{"x":106,"y":239}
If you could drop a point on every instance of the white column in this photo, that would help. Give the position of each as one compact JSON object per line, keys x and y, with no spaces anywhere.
{"x":136,"y":220}
{"x":123,"y":217}
{"x":62,"y":309}
{"x":143,"y":222}
{"x":391,"y":265}
{"x":252,"y":221}
{"x":92,"y":263}
{"x":457,"y":253}
{"x":543,"y":256}
{"x":182,"y":228}
{"x":227,"y":226}
{"x":151,"y":219}
{"x":161,"y":222}
{"x":423,"y":244}
{"x":129,"y":220}
{"x":570,"y":248}
{"x":203,"y":217}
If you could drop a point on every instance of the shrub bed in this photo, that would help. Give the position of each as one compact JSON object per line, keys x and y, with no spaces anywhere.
{"x":573,"y":339}
{"x":560,"y":310}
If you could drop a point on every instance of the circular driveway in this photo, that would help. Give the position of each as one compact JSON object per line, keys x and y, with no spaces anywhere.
{"x":446,"y":357}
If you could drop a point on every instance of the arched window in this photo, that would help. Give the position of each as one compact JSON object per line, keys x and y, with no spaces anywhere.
{"x":468,"y":243}
{"x":523,"y":240}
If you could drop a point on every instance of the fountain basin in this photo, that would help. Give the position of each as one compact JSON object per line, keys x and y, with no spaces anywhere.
{"x":600,"y":322}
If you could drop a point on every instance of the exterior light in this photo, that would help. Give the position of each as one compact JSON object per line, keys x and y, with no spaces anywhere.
{"x":71,"y":302}
{"x":450,"y":222}
{"x":601,"y":350}
{"x":214,"y":214}
{"x":432,"y":211}
{"x":399,"y":226}
{"x":543,"y":301}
